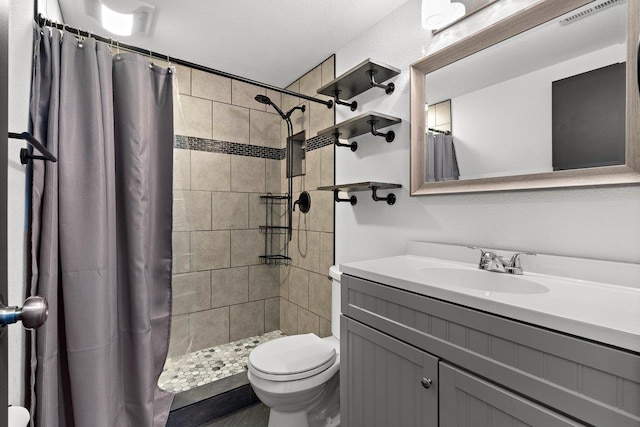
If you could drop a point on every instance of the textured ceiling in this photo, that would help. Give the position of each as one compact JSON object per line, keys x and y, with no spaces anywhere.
{"x":272,"y":41}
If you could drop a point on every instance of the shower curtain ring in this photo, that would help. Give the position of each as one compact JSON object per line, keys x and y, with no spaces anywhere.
{"x":169,"y":62}
{"x":150,"y":60}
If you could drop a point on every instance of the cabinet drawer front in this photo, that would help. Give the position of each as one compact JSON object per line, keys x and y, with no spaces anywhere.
{"x":597,"y":384}
{"x":468,"y":401}
{"x":381,"y":380}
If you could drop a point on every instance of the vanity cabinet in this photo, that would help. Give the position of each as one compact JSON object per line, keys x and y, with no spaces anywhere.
{"x":389,"y":383}
{"x":491,"y":371}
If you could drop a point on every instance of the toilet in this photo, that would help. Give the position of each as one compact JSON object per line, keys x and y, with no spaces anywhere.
{"x":298,"y":376}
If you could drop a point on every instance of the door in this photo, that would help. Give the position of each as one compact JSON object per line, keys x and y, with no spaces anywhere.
{"x":385,"y":382}
{"x":4,"y":75}
{"x":468,"y":401}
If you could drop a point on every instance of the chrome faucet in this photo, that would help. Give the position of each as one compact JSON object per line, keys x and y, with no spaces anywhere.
{"x":491,"y":261}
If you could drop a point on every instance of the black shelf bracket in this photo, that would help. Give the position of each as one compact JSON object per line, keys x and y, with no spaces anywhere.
{"x":389,"y":136}
{"x":388,"y":89}
{"x":336,"y":136}
{"x":353,"y":199}
{"x":352,"y":105}
{"x":390,"y":198}
{"x":24,"y":153}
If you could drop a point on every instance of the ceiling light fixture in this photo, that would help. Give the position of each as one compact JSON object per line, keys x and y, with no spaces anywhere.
{"x":440,"y":13}
{"x":116,"y":22}
{"x":122,"y":17}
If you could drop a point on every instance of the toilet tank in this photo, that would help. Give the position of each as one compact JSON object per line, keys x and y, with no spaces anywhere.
{"x":335,"y":300}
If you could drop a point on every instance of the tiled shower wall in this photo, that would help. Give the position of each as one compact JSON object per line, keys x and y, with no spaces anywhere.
{"x":305,"y":290}
{"x":228,"y":151}
{"x":224,"y":158}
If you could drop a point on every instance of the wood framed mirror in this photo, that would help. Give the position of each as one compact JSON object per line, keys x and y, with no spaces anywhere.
{"x":546,"y":98}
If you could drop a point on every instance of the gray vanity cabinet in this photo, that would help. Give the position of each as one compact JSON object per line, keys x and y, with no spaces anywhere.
{"x":485,"y":370}
{"x":388,"y":383}
{"x":468,"y":401}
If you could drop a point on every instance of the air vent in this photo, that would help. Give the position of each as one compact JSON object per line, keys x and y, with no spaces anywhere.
{"x":590,"y":11}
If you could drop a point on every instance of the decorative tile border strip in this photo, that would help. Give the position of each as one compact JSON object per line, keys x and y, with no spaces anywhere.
{"x":318,"y":142}
{"x":248,"y":150}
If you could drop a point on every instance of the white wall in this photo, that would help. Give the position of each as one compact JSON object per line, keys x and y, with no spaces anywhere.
{"x":20,"y":60}
{"x":601,"y":223}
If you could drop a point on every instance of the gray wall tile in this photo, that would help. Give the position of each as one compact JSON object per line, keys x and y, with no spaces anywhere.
{"x":288,"y":101}
{"x":211,"y":86}
{"x":193,"y":117}
{"x":264,"y":129}
{"x":320,"y":117}
{"x":210,"y":250}
{"x":310,"y":82}
{"x":191,"y":210}
{"x":246,"y":320}
{"x":248,"y":174}
{"x":230,"y":123}
{"x":307,"y":250}
{"x":326,"y":252}
{"x":271,"y":314}
{"x":209,"y":328}
{"x":273,"y":176}
{"x":191,"y":292}
{"x":299,"y":287}
{"x":327,"y":165}
{"x":229,"y":211}
{"x":312,"y":176}
{"x":210,"y":171}
{"x":328,"y":70}
{"x":264,"y":282}
{"x":246,"y":247}
{"x":183,"y":77}
{"x":322,"y":215}
{"x":181,"y":243}
{"x":180,"y":340}
{"x":288,"y":317}
{"x":243,"y":94}
{"x":320,"y":295}
{"x":181,"y":169}
{"x":229,"y":286}
{"x":325,"y":328}
{"x":257,"y":211}
{"x":308,"y":322}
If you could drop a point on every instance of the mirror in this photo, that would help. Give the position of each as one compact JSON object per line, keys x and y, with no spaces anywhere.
{"x":545,"y":98}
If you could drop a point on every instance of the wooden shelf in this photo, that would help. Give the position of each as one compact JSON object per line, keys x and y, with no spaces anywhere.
{"x":360,"y":125}
{"x":357,"y":80}
{"x":372,"y":186}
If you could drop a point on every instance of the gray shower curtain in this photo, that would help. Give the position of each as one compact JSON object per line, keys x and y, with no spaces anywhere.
{"x":101,"y":235}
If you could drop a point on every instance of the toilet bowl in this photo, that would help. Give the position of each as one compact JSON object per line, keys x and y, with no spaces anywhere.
{"x":297,"y":376}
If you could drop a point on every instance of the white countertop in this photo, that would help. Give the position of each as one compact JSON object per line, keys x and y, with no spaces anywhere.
{"x":598,"y":311}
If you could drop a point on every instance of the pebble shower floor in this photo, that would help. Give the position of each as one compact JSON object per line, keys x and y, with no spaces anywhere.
{"x":191,"y":370}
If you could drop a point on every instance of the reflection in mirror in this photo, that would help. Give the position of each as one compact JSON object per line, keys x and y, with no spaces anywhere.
{"x":551,"y":98}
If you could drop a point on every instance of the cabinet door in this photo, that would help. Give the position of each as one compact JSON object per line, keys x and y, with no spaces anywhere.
{"x":466,"y":400}
{"x":385,"y":382}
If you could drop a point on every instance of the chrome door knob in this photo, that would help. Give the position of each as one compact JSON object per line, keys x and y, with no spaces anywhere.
{"x":426,"y":382}
{"x":32,"y":314}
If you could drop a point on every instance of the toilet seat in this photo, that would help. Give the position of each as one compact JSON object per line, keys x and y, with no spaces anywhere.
{"x":291,"y":358}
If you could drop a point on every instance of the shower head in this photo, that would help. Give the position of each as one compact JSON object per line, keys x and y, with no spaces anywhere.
{"x":265,"y":100}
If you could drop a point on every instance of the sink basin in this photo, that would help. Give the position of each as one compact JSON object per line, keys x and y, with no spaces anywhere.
{"x":481,"y":280}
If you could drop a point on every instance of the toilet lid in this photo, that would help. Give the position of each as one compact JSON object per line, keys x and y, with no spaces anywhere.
{"x":291,"y":358}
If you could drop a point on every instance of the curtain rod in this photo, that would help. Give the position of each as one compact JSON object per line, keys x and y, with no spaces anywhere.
{"x":42,"y":21}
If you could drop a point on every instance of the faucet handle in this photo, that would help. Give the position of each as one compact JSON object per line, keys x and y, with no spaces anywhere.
{"x":514,"y":266}
{"x":515,"y":258}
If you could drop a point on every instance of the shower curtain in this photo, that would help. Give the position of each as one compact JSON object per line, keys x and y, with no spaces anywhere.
{"x":442,"y":164}
{"x":101,"y":235}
